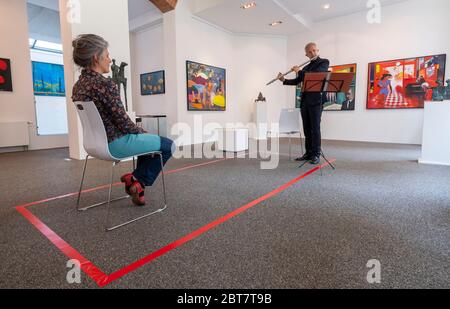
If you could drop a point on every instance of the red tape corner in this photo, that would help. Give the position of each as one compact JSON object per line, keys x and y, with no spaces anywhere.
{"x":103,"y":279}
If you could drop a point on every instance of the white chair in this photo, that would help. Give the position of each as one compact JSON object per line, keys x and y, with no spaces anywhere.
{"x":290,"y":124}
{"x":95,"y":143}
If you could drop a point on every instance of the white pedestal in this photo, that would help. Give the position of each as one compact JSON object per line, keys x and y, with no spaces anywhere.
{"x":436,"y":136}
{"x":262,"y":121}
{"x":233,"y":140}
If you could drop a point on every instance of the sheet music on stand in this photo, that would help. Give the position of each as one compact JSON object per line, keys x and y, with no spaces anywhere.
{"x":327,"y":82}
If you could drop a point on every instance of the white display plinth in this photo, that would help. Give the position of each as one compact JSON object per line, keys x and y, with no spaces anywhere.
{"x":233,"y":140}
{"x":261,"y":121}
{"x":436,"y":136}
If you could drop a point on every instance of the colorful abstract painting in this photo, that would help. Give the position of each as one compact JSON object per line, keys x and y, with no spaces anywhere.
{"x":5,"y":75}
{"x":404,"y":83}
{"x":206,"y":87}
{"x":342,"y":101}
{"x":48,"y":79}
{"x":153,"y":83}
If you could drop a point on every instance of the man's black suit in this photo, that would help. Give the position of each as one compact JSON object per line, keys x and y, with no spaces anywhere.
{"x":311,"y":107}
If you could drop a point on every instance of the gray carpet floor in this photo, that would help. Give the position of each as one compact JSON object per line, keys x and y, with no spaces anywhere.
{"x":379,"y":203}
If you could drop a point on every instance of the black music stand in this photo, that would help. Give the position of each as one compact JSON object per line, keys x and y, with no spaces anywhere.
{"x":324,"y":83}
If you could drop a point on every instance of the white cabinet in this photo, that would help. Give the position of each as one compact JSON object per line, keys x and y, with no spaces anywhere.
{"x":233,"y":140}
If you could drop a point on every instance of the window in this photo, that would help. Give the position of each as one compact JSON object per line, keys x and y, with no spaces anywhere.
{"x":45,"y":46}
{"x":49,"y":87}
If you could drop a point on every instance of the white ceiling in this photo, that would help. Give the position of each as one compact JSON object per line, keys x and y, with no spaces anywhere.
{"x":228,"y":15}
{"x":49,"y":4}
{"x":296,"y":15}
{"x":43,"y":22}
{"x":138,"y":8}
{"x":314,"y":10}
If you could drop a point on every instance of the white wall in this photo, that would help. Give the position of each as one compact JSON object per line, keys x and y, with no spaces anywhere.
{"x":147,"y":55}
{"x":203,"y":43}
{"x":19,"y":104}
{"x":258,"y":59}
{"x":250,"y":62}
{"x":59,"y":118}
{"x":408,"y":29}
{"x":112,"y":24}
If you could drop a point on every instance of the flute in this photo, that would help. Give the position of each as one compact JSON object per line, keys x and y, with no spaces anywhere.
{"x":302,"y":65}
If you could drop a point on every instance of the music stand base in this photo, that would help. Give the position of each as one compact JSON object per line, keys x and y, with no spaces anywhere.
{"x":324,"y":157}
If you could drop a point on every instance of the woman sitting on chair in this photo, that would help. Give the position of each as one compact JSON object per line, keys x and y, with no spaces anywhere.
{"x":125,"y":138}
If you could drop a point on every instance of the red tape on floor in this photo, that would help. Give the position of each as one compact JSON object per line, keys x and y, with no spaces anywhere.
{"x":100,"y":277}
{"x":118,"y":184}
{"x":87,"y":266}
{"x":118,"y":274}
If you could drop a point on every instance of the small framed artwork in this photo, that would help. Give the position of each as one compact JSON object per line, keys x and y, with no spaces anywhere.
{"x":153,"y":83}
{"x":206,"y":87}
{"x":5,"y":75}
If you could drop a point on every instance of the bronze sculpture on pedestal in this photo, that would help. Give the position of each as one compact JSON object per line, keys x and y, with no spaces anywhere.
{"x":118,"y":77}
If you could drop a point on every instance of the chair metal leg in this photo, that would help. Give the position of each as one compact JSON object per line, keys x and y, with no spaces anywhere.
{"x":290,"y":147}
{"x":134,"y":163}
{"x":82,"y":181}
{"x":104,"y":203}
{"x":108,"y":229}
{"x":163,"y":181}
{"x":81,"y":189}
{"x":109,"y":195}
{"x":109,"y":201}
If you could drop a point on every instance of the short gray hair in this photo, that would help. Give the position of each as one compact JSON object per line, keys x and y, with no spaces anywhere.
{"x":85,"y":47}
{"x":309,"y":45}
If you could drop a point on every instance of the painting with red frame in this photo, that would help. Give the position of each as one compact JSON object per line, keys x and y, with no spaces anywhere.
{"x":404,"y":83}
{"x":5,"y":75}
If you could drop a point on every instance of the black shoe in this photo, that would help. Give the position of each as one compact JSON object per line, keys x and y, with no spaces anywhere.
{"x":306,"y":157}
{"x":315,"y":160}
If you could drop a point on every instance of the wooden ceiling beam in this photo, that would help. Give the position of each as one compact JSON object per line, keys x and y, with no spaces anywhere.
{"x":165,"y":5}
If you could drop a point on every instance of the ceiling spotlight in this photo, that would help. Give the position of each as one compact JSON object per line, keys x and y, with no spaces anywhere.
{"x":326,"y":6}
{"x":248,"y":6}
{"x":275,"y":23}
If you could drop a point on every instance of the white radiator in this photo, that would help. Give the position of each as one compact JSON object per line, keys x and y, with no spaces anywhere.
{"x":14,"y":134}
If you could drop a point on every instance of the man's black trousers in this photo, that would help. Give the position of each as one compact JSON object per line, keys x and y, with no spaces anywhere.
{"x":311,"y":117}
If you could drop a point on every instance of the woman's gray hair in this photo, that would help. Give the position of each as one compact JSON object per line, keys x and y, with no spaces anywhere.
{"x":85,"y":47}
